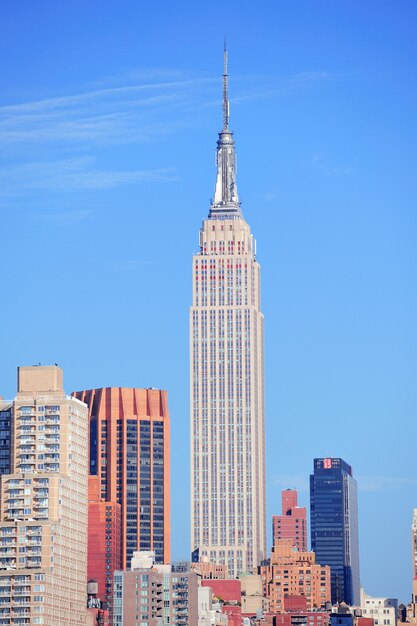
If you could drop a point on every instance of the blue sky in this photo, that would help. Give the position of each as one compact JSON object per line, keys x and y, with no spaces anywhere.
{"x":109,"y":113}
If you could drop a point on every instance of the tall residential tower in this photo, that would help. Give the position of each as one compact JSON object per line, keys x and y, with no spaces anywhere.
{"x":227,"y":378}
{"x":43,"y":505}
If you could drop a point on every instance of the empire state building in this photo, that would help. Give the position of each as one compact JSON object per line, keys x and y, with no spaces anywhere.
{"x":227,"y":378}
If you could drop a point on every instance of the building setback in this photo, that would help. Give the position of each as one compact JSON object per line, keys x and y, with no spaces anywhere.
{"x":129,"y":453}
{"x":292,"y":524}
{"x":293,"y":573}
{"x":334,"y":526}
{"x":227,"y":379}
{"x":43,"y":505}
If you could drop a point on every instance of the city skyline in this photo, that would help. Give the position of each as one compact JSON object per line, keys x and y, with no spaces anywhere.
{"x":323,"y":153}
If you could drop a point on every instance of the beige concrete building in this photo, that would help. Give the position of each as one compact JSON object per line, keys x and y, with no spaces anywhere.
{"x":210,"y":571}
{"x":382,"y":610}
{"x":155,"y":594}
{"x":227,"y":380}
{"x":253,"y":600}
{"x":43,"y":505}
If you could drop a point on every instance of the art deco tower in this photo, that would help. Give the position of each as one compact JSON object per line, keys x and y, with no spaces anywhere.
{"x":227,"y":378}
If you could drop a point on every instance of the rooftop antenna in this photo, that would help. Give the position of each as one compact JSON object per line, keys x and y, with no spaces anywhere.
{"x":225,"y":91}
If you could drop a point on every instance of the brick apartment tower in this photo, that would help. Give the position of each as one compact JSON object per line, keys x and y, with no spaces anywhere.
{"x":292,"y":524}
{"x":227,"y":379}
{"x":294,"y":573}
{"x":104,"y":541}
{"x":43,"y":505}
{"x":129,"y":453}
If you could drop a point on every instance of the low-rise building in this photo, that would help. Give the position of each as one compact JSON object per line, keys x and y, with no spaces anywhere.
{"x":382,"y":610}
{"x":156,"y":594}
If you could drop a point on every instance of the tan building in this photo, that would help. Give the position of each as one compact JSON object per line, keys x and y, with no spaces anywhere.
{"x":227,"y":380}
{"x":294,"y":573}
{"x":253,"y":599}
{"x":43,"y":505}
{"x":209,"y":571}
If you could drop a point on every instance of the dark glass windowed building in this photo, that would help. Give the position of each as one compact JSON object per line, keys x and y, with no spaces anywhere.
{"x":334,"y":526}
{"x":129,"y":452}
{"x":5,"y":436}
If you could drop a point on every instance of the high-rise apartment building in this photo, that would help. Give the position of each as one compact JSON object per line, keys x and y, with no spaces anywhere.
{"x":227,"y":379}
{"x":292,"y":524}
{"x":43,"y":505}
{"x":129,"y":453}
{"x":294,"y":573}
{"x":334,"y":526}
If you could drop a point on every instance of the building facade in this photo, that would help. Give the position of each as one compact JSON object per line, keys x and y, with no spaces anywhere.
{"x":129,"y":453}
{"x":43,"y":505}
{"x":293,"y":573}
{"x":334,"y":526}
{"x":292,"y":524}
{"x":155,"y":595}
{"x":382,"y":610}
{"x":5,"y":436}
{"x":104,"y":541}
{"x":414,"y":553}
{"x":227,"y":379}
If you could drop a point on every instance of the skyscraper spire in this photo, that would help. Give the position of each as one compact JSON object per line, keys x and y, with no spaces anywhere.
{"x":226,"y":109}
{"x":226,"y":202}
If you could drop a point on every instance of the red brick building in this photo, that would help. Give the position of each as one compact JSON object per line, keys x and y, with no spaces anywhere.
{"x":227,"y":590}
{"x":292,"y":524}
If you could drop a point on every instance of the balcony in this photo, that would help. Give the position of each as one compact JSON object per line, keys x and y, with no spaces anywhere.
{"x":23,"y":601}
{"x":21,"y":591}
{"x":25,"y":439}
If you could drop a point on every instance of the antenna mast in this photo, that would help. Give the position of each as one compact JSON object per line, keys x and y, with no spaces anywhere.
{"x":225,"y":91}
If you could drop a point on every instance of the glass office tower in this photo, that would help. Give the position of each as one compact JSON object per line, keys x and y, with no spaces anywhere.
{"x":334,"y":526}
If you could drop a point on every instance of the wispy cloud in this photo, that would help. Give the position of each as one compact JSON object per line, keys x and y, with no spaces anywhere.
{"x":328,"y":169}
{"x":69,"y":175}
{"x":43,"y":141}
{"x":137,"y":111}
{"x":69,"y":217}
{"x":120,"y":113}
